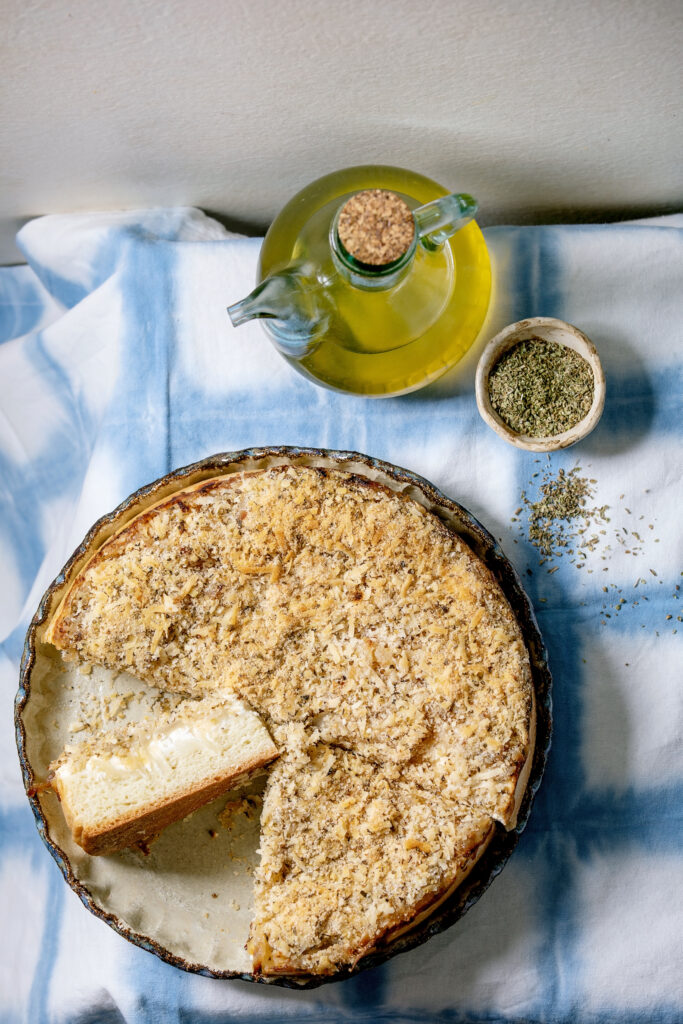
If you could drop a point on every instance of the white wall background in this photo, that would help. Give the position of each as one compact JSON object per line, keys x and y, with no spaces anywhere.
{"x":544,"y":109}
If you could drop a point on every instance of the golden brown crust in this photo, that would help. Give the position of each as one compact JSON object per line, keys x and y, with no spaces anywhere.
{"x":265,"y":964}
{"x":357,"y":624}
{"x":403,"y":866}
{"x":351,"y":851}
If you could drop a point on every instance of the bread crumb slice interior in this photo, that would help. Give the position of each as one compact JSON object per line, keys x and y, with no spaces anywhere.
{"x":132,"y":783}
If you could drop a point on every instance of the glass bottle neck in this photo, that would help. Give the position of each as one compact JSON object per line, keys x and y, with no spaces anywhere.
{"x":365,"y":275}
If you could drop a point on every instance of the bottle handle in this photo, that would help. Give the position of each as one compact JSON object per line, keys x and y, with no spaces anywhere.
{"x":438,"y":220}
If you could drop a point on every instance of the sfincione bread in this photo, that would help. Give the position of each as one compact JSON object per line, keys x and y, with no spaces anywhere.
{"x":369,"y":638}
{"x":132,"y":783}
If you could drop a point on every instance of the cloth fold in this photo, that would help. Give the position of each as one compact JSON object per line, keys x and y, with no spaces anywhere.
{"x":118,"y":363}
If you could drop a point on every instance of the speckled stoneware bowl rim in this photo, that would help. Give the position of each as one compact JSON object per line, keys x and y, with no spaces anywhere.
{"x":481,"y":542}
{"x":550,"y":329}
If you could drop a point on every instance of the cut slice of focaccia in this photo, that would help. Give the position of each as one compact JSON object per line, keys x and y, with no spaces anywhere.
{"x":127,"y":785}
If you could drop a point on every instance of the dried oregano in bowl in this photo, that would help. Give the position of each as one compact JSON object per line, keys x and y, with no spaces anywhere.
{"x":540,"y":388}
{"x":540,"y":384}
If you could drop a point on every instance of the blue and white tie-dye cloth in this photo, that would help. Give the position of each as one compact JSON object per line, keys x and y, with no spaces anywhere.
{"x":118,"y":363}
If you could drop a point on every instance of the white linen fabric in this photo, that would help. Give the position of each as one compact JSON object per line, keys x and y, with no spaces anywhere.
{"x":118,"y":363}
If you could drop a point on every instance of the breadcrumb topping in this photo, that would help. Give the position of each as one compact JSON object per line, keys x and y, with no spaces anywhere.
{"x":373,"y":849}
{"x":380,"y":653}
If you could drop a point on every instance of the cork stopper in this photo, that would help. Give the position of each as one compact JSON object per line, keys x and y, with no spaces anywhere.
{"x":376,"y":227}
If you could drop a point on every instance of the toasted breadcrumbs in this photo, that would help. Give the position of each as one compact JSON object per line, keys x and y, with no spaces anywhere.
{"x":374,"y":848}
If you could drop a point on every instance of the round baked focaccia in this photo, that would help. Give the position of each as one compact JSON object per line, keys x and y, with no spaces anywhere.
{"x":381,"y":655}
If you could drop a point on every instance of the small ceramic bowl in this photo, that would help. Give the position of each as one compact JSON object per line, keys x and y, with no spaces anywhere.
{"x":548,"y":329}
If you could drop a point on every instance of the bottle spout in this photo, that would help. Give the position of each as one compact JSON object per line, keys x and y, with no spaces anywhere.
{"x":269,"y":300}
{"x":295,"y":308}
{"x":243,"y":311}
{"x":438,"y":220}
